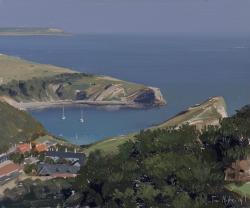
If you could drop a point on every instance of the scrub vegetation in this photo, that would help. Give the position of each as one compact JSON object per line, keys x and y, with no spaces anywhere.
{"x":16,"y":126}
{"x":164,"y":167}
{"x":209,"y":112}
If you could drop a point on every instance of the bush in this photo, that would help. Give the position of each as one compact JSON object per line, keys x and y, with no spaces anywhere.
{"x":17,"y":157}
{"x":28,"y":169}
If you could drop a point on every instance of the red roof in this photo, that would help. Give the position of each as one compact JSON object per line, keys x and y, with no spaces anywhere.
{"x":41,"y":148}
{"x":23,"y":148}
{"x":8,"y":169}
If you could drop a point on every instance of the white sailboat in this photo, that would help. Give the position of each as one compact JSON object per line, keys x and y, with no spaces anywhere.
{"x":63,"y":114}
{"x":82,"y":119}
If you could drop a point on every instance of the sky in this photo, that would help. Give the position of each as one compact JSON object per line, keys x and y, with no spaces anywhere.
{"x":217,"y":17}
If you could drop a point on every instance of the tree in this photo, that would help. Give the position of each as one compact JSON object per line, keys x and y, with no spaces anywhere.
{"x":29,"y":168}
{"x":17,"y":157}
{"x":49,"y":160}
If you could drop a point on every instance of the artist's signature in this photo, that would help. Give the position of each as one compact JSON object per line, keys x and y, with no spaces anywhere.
{"x":228,"y":200}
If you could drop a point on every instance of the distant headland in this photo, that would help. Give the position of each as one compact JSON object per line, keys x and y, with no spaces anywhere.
{"x":29,"y":85}
{"x":30,"y":31}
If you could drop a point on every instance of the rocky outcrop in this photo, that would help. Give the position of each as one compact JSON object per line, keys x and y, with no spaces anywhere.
{"x":207,"y":113}
{"x":146,"y":96}
{"x":150,"y":96}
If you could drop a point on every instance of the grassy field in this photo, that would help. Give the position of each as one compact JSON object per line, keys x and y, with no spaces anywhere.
{"x":41,"y":82}
{"x":240,"y":189}
{"x":209,"y":112}
{"x":12,"y":68}
{"x":110,"y":145}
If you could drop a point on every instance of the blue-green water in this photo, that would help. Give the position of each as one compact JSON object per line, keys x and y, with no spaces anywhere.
{"x":188,"y":71}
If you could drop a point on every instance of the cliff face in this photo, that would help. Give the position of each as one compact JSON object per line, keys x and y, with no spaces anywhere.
{"x":207,"y":113}
{"x":45,"y":83}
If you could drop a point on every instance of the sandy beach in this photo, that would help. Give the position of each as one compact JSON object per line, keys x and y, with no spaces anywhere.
{"x":51,"y":104}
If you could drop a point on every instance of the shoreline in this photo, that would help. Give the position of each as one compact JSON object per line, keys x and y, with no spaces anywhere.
{"x":70,"y":103}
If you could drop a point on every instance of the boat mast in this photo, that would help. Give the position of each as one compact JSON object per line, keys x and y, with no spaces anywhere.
{"x":81,"y":119}
{"x":63,"y":114}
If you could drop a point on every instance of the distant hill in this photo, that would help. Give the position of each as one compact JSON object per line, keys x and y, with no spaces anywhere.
{"x":22,"y":31}
{"x":16,"y":126}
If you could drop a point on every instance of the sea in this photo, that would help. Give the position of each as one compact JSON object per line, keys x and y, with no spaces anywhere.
{"x":188,"y":70}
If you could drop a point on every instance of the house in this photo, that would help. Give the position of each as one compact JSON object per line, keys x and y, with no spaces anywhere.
{"x":3,"y":158}
{"x":23,"y":148}
{"x":41,"y":147}
{"x":73,"y":157}
{"x":238,"y":171}
{"x":31,"y":160}
{"x":57,"y":170}
{"x":7,"y":168}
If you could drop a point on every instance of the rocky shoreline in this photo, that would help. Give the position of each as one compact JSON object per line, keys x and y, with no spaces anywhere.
{"x":71,"y":103}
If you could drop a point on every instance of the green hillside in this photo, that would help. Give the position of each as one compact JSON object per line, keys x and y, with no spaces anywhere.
{"x":207,"y":113}
{"x":16,"y":126}
{"x":29,"y":82}
{"x":179,"y":168}
{"x":13,"y":68}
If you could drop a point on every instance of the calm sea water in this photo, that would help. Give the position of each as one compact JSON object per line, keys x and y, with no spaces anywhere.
{"x":188,"y":71}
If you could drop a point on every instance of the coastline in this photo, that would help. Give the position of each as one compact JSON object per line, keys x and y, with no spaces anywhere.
{"x":28,"y":35}
{"x":70,"y":103}
{"x":78,"y":89}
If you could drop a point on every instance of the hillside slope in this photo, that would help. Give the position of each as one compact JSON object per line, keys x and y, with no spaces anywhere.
{"x":13,"y":68}
{"x":210,"y":112}
{"x":32,"y":85}
{"x":16,"y":126}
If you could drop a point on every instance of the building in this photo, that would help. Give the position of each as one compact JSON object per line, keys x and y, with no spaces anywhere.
{"x":44,"y":146}
{"x":57,"y":170}
{"x":3,"y":158}
{"x":41,"y":147}
{"x":8,"y":168}
{"x":23,"y":148}
{"x":50,"y":144}
{"x":73,"y":157}
{"x":238,"y":171}
{"x":31,"y":160}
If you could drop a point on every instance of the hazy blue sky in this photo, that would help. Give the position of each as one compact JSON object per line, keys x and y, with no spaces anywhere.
{"x":108,"y":16}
